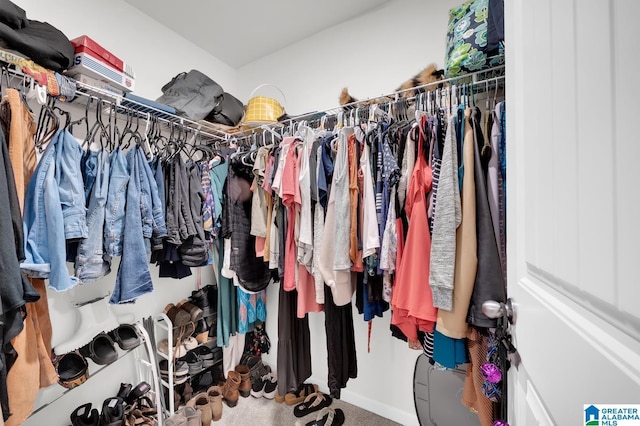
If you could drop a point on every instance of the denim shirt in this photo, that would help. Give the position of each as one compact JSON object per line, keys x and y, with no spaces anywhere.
{"x":54,"y":212}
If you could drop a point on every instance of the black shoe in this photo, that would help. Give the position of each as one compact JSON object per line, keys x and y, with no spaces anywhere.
{"x":101,"y":350}
{"x":257,"y":387}
{"x":135,"y":393}
{"x":112,"y":412}
{"x":193,"y":361}
{"x":270,"y":386}
{"x":85,"y":416}
{"x":125,"y":388}
{"x":125,"y":336}
{"x":205,"y":354}
{"x":206,"y":299}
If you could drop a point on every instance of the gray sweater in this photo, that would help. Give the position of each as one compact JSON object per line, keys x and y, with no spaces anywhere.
{"x":447,"y":216}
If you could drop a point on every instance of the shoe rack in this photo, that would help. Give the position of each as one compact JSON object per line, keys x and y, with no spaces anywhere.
{"x":164,"y":327}
{"x":49,"y":396}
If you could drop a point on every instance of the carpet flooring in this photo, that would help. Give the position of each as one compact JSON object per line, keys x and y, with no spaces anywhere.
{"x":264,"y":412}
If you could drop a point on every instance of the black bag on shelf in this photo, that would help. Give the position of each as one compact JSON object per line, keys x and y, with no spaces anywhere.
{"x":228,"y":112}
{"x":192,"y":94}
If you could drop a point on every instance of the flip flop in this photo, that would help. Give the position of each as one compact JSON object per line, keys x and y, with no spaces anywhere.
{"x":312,"y":403}
{"x":328,"y":417}
{"x":306,"y":389}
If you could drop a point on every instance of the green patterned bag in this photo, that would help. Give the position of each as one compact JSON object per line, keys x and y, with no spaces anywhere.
{"x":474,"y":37}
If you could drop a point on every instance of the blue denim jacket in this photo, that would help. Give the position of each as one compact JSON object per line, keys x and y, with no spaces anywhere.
{"x":134,"y":278}
{"x":90,"y":263}
{"x":54,"y":211}
{"x":116,"y":201}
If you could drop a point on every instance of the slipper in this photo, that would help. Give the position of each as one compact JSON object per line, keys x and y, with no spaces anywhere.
{"x":312,"y":403}
{"x":101,"y":350}
{"x":306,"y":389}
{"x":328,"y":417}
{"x":125,"y":336}
{"x":72,"y":369}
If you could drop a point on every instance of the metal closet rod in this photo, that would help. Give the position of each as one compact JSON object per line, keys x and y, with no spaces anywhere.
{"x":488,"y":76}
{"x":113,"y":98}
{"x":116,"y":100}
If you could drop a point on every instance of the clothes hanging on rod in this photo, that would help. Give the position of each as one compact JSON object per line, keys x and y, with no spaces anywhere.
{"x":333,"y":157}
{"x":343,"y":207}
{"x":21,"y":377}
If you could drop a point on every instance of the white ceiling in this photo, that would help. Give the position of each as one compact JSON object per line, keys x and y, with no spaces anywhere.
{"x":240,"y":31}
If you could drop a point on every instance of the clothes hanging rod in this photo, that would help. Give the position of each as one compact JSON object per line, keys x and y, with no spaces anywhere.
{"x":477,"y":78}
{"x":209,"y":133}
{"x":163,"y":116}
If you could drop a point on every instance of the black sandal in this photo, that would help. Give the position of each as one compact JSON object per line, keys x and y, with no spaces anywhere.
{"x":84,"y":415}
{"x":306,"y":389}
{"x":312,"y":403}
{"x":328,"y":417}
{"x":137,"y":392}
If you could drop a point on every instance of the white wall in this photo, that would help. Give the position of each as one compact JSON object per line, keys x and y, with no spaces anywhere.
{"x":372,"y":55}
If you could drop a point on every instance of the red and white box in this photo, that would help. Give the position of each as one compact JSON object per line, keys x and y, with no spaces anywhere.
{"x":85,"y":44}
{"x":89,"y":65}
{"x":93,"y":60}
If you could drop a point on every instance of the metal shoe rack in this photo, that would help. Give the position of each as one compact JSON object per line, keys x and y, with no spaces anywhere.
{"x":164,"y":327}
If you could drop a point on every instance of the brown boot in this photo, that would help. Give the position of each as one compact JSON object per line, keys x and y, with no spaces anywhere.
{"x":215,"y":402}
{"x":201,"y":403}
{"x":230,"y":388}
{"x":245,"y":380}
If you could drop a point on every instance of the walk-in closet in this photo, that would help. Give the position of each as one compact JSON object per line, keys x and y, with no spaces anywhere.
{"x":374,"y":212}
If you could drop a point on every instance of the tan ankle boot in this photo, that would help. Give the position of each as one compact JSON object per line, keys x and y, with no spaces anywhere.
{"x":245,"y":380}
{"x":201,"y":403}
{"x":230,"y":388}
{"x":215,"y":402}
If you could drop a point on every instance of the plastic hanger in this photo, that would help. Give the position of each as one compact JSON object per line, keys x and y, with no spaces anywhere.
{"x":84,"y":118}
{"x":48,"y":125}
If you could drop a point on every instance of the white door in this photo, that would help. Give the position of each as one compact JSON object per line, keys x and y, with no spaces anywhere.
{"x":573,"y":197}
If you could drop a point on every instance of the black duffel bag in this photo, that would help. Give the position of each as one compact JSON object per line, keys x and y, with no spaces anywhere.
{"x":228,"y":112}
{"x":192,"y":94}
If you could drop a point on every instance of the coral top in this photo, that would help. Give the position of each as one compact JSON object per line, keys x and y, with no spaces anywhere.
{"x":412,"y":302}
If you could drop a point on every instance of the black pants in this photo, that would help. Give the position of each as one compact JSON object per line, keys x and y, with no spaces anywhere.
{"x":341,"y":344}
{"x":294,"y":343}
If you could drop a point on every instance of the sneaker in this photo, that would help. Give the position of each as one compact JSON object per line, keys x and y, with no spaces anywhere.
{"x":271,"y":385}
{"x":193,"y":362}
{"x":257,"y":387}
{"x":180,"y":373}
{"x":206,"y":355}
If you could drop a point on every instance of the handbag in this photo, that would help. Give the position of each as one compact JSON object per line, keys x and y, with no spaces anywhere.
{"x":192,"y":94}
{"x":263,"y":110}
{"x":475,"y":37}
{"x":228,"y":112}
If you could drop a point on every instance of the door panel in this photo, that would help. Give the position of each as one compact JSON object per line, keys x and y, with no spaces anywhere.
{"x":573,"y":204}
{"x":627,"y":154}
